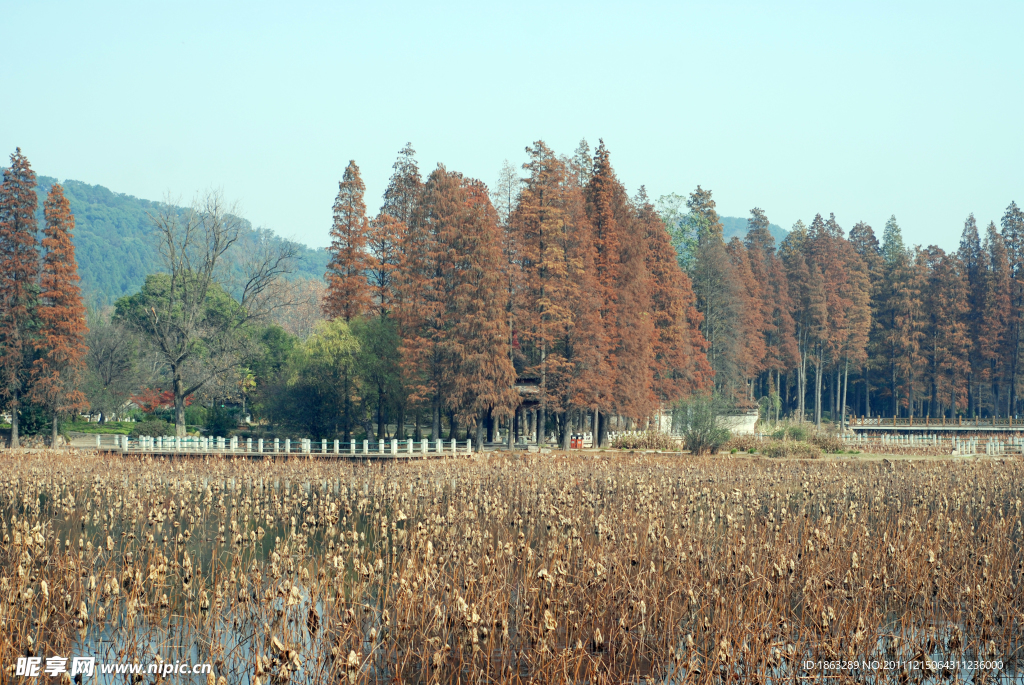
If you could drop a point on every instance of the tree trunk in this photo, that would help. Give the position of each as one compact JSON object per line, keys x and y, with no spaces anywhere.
{"x":400,"y":428}
{"x":490,"y":425}
{"x":817,"y":393}
{"x":601,"y":437}
{"x":14,"y":421}
{"x":566,"y":429}
{"x":846,"y":386}
{"x":179,"y":404}
{"x":380,"y":419}
{"x":802,"y":385}
{"x":53,"y":434}
{"x":435,"y":426}
{"x":481,"y":417}
{"x":542,"y":411}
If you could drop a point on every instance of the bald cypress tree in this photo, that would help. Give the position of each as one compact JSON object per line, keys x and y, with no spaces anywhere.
{"x":60,"y":343}
{"x":781,"y":351}
{"x":605,"y":211}
{"x":348,"y":292}
{"x":19,"y":289}
{"x":680,"y":366}
{"x":865,"y":244}
{"x":483,"y":384}
{"x":431,"y":355}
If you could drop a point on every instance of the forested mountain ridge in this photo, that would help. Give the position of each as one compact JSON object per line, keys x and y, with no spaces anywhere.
{"x":116,"y":246}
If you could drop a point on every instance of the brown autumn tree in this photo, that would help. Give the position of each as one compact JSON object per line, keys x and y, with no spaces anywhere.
{"x":586,"y":344}
{"x":384,"y":246}
{"x":605,"y":211}
{"x":634,"y":392}
{"x":60,"y":342}
{"x":483,"y":385}
{"x":548,"y":289}
{"x":19,"y":271}
{"x":781,"y":351}
{"x":348,"y":293}
{"x":751,"y":352}
{"x":679,"y":365}
{"x":430,"y":353}
{"x":945,"y":343}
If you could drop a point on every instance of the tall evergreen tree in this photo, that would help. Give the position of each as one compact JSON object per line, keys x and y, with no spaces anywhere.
{"x":1013,"y":237}
{"x":60,"y":344}
{"x":994,"y":342}
{"x":404,"y":187}
{"x":348,"y":293}
{"x":716,"y":290}
{"x":900,"y":317}
{"x":973,"y":260}
{"x":19,"y":290}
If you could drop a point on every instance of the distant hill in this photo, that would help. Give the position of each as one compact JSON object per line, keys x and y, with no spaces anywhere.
{"x":116,"y":246}
{"x":734,"y":226}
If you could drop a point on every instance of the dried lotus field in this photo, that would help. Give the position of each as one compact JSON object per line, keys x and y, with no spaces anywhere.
{"x":546,"y":569}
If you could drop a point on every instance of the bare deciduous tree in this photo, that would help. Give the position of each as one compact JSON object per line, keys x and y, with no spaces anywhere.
{"x":199,"y":313}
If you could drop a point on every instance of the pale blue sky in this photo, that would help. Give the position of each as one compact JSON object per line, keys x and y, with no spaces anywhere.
{"x":865,"y":110}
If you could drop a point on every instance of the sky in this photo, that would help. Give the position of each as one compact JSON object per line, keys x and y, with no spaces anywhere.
{"x":862,"y":109}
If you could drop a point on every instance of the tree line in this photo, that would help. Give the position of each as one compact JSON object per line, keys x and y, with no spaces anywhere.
{"x":830,"y":323}
{"x":456,"y":302}
{"x":558,"y":279}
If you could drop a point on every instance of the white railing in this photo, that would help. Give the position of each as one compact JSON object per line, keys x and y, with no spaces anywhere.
{"x":220,"y":445}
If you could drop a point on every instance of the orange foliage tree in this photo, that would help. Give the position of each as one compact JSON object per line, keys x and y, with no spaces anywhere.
{"x":348,"y":293}
{"x":60,"y":344}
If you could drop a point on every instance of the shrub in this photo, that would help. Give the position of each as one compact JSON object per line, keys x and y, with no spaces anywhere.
{"x":646,"y":440}
{"x":153,"y":428}
{"x":34,"y":420}
{"x":780,"y":449}
{"x":791,"y":432}
{"x":700,"y":420}
{"x":195,"y":415}
{"x":828,"y":443}
{"x":220,"y":421}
